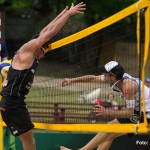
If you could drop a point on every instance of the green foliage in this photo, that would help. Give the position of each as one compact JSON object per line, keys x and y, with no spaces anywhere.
{"x":99,"y":10}
{"x":22,"y":3}
{"x":96,"y":10}
{"x":1,"y":1}
{"x":17,"y":3}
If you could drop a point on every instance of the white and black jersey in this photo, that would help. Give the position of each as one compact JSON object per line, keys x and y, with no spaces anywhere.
{"x":146,"y":92}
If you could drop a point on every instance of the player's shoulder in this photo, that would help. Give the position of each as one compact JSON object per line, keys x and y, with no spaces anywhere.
{"x":129,"y":84}
{"x":128,"y":81}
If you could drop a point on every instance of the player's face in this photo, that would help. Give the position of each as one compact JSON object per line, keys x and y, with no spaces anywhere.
{"x":109,"y":77}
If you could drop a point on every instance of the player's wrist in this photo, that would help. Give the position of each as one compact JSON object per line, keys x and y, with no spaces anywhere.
{"x":69,"y":13}
{"x":107,"y":112}
{"x":72,"y":80}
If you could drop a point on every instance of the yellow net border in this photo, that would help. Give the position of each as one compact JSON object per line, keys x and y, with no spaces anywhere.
{"x":141,"y":127}
{"x":105,"y":23}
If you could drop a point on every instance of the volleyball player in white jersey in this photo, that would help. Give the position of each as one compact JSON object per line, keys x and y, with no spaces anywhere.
{"x":120,"y":82}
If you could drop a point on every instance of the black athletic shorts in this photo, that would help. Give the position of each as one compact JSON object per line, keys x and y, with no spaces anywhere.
{"x":132,"y":120}
{"x":17,"y":118}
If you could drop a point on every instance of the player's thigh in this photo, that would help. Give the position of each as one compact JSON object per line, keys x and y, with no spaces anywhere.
{"x":18,"y":120}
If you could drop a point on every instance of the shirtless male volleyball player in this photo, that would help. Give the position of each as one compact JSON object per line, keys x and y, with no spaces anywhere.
{"x":21,"y":74}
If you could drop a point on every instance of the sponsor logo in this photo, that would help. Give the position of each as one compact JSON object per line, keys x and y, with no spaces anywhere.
{"x":33,"y":71}
{"x":15,"y":132}
{"x":28,"y":86}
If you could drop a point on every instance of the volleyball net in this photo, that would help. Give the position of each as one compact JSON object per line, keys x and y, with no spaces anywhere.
{"x":123,"y":37}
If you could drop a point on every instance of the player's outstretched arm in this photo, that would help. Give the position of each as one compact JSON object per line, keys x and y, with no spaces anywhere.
{"x":85,"y":79}
{"x":77,"y":9}
{"x":51,"y":24}
{"x":59,"y":23}
{"x":124,"y":113}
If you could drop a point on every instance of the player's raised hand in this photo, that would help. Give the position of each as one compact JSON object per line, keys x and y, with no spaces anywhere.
{"x":77,"y":9}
